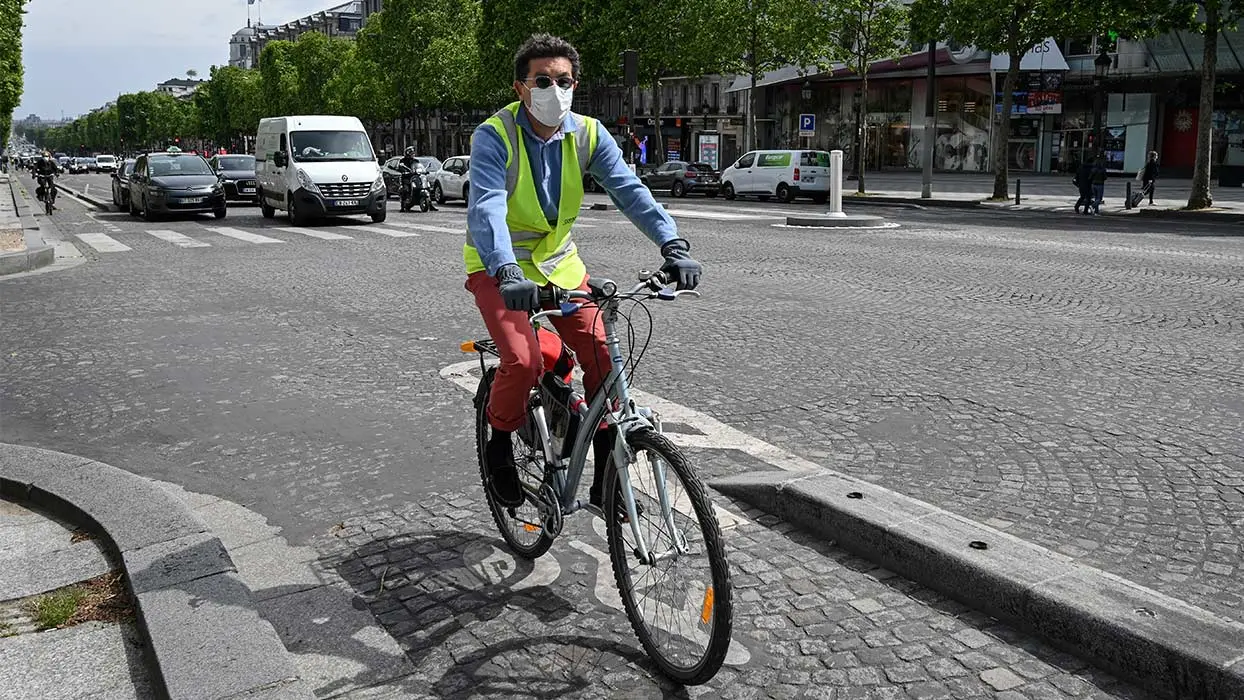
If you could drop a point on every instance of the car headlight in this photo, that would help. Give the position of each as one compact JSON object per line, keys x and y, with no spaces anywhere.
{"x":305,"y":180}
{"x":378,"y":184}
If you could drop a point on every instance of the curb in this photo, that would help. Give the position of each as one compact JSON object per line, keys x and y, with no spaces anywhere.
{"x":37,"y":253}
{"x":207,"y":640}
{"x":93,"y":201}
{"x":1161,"y":643}
{"x":981,"y":204}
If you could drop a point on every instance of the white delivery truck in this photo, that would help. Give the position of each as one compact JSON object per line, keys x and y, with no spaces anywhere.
{"x":317,"y":166}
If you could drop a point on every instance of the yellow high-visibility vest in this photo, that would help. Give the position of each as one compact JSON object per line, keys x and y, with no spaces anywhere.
{"x":544,"y":251}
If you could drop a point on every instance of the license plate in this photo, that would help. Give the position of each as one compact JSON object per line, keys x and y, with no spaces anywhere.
{"x":346,"y":203}
{"x":248,"y":190}
{"x":194,"y":200}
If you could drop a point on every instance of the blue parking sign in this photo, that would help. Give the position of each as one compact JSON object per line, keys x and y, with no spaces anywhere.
{"x":807,"y":125}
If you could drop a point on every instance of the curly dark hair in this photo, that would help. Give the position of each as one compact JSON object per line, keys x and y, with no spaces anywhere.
{"x":544,"y":46}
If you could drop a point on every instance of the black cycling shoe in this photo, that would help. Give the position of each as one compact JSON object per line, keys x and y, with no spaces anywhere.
{"x":502,"y":474}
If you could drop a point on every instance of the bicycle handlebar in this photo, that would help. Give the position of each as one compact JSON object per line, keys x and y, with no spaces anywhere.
{"x":656,"y":284}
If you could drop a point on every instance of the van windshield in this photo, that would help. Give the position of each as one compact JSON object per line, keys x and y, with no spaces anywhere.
{"x":330,"y":145}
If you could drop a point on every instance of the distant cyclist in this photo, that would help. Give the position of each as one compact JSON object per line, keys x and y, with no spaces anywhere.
{"x":45,"y":170}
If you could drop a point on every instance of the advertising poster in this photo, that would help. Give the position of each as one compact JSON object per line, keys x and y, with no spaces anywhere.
{"x":709,"y":151}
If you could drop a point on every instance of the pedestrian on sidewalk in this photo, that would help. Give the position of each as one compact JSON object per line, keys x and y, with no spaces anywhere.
{"x":1098,"y":179}
{"x":1084,"y":181}
{"x":1149,"y":175}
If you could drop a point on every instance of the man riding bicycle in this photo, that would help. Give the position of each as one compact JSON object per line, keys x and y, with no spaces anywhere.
{"x":45,"y":170}
{"x":528,"y":162}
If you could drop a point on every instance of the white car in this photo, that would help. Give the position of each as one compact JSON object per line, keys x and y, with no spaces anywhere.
{"x":105,"y":164}
{"x":453,"y":180}
{"x":784,"y":174}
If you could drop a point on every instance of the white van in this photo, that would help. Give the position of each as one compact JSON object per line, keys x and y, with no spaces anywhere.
{"x":317,"y":166}
{"x":784,"y":174}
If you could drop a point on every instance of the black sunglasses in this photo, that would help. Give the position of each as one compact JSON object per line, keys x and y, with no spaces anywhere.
{"x":543,"y":81}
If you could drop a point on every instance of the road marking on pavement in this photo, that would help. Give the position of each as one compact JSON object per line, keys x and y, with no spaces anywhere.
{"x":428,"y":227}
{"x":314,"y":233}
{"x":720,"y":215}
{"x":392,"y":232}
{"x":179,"y":240}
{"x":103,"y":242}
{"x":243,"y":235}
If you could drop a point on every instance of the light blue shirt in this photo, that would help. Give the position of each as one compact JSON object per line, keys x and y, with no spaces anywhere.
{"x":486,"y":207}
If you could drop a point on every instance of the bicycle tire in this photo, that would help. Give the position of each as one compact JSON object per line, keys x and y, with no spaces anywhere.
{"x":715,"y":603}
{"x":535,"y":544}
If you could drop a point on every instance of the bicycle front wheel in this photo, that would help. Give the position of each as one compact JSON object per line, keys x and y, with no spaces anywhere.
{"x":522,"y":528}
{"x":680,"y":606}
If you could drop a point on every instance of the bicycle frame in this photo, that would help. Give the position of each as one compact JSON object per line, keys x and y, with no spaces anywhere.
{"x":567,"y":473}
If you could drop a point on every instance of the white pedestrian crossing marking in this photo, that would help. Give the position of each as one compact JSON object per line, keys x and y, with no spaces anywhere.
{"x":720,"y":215}
{"x":314,"y":233}
{"x":392,"y":232}
{"x":428,"y":227}
{"x":103,"y":243}
{"x":179,"y":240}
{"x":243,"y":235}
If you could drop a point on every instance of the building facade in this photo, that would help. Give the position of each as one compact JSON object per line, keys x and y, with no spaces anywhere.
{"x":179,"y":87}
{"x":342,"y":20}
{"x":1149,"y":98}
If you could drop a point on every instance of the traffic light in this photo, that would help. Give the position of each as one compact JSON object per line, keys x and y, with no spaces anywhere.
{"x":630,"y":68}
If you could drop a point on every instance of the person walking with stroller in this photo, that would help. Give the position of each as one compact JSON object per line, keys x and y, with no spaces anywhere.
{"x":1149,"y":176}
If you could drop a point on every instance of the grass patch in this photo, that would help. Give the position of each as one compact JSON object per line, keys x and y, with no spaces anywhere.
{"x":6,"y":630}
{"x":103,"y":598}
{"x":57,"y":608}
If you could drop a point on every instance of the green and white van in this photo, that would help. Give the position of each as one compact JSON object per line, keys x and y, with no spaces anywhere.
{"x":785,"y":174}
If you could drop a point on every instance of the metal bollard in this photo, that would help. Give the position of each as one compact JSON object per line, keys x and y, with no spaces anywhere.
{"x":1017,"y":186}
{"x":1127,"y":198}
{"x":835,"y":183}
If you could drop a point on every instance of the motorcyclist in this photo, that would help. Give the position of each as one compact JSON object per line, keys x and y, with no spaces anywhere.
{"x":421,"y":173}
{"x":45,"y":170}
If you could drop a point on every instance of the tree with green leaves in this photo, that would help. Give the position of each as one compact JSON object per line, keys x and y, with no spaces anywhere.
{"x":1207,"y":18}
{"x":279,"y":79}
{"x":1012,"y":27}
{"x":864,"y":32}
{"x":11,"y":14}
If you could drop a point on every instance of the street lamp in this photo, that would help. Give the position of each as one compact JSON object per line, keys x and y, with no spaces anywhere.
{"x":806,"y":93}
{"x":1100,"y":65}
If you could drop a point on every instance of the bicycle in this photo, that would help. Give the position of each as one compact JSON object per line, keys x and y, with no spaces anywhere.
{"x":687,"y":636}
{"x":46,"y":191}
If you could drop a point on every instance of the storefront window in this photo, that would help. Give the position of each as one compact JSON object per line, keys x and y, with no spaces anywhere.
{"x":963,"y":113}
{"x":1228,"y":144}
{"x":889,"y":123}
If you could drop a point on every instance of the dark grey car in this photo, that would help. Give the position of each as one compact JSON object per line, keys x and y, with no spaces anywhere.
{"x":121,"y":184}
{"x":680,"y":177}
{"x":174,"y":182}
{"x":237,"y":174}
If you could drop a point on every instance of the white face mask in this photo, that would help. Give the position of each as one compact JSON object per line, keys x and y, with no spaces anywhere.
{"x":550,"y":105}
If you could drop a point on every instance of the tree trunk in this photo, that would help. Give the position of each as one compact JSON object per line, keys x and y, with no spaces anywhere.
{"x":1002,"y":127}
{"x":861,"y":128}
{"x":659,"y":156}
{"x":1201,"y":196}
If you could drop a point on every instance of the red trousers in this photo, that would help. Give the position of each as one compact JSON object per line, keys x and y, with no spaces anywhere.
{"x":521,"y":362}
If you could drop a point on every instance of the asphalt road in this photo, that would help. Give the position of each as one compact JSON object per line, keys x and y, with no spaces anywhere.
{"x":1079,"y":388}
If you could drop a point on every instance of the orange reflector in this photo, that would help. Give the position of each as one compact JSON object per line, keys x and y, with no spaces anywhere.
{"x":706,"y":611}
{"x":530,"y":528}
{"x":468,"y":346}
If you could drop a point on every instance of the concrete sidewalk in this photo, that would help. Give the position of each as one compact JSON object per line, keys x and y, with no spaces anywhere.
{"x":42,"y":248}
{"x":67,"y":627}
{"x":1041,"y":193}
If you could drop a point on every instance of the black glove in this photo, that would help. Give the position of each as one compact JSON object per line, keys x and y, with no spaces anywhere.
{"x":519,"y":293}
{"x":679,"y":266}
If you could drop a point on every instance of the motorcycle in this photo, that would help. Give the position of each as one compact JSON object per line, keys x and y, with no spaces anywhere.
{"x":415,"y":189}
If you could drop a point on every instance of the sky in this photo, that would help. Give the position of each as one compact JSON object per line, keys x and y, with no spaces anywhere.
{"x":80,"y":54}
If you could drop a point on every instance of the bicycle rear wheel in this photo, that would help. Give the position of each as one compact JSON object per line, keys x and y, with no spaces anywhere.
{"x":521,"y":527}
{"x":680,"y":607}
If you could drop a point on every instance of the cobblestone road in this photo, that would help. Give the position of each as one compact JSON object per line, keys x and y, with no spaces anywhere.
{"x":1081,"y":390}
